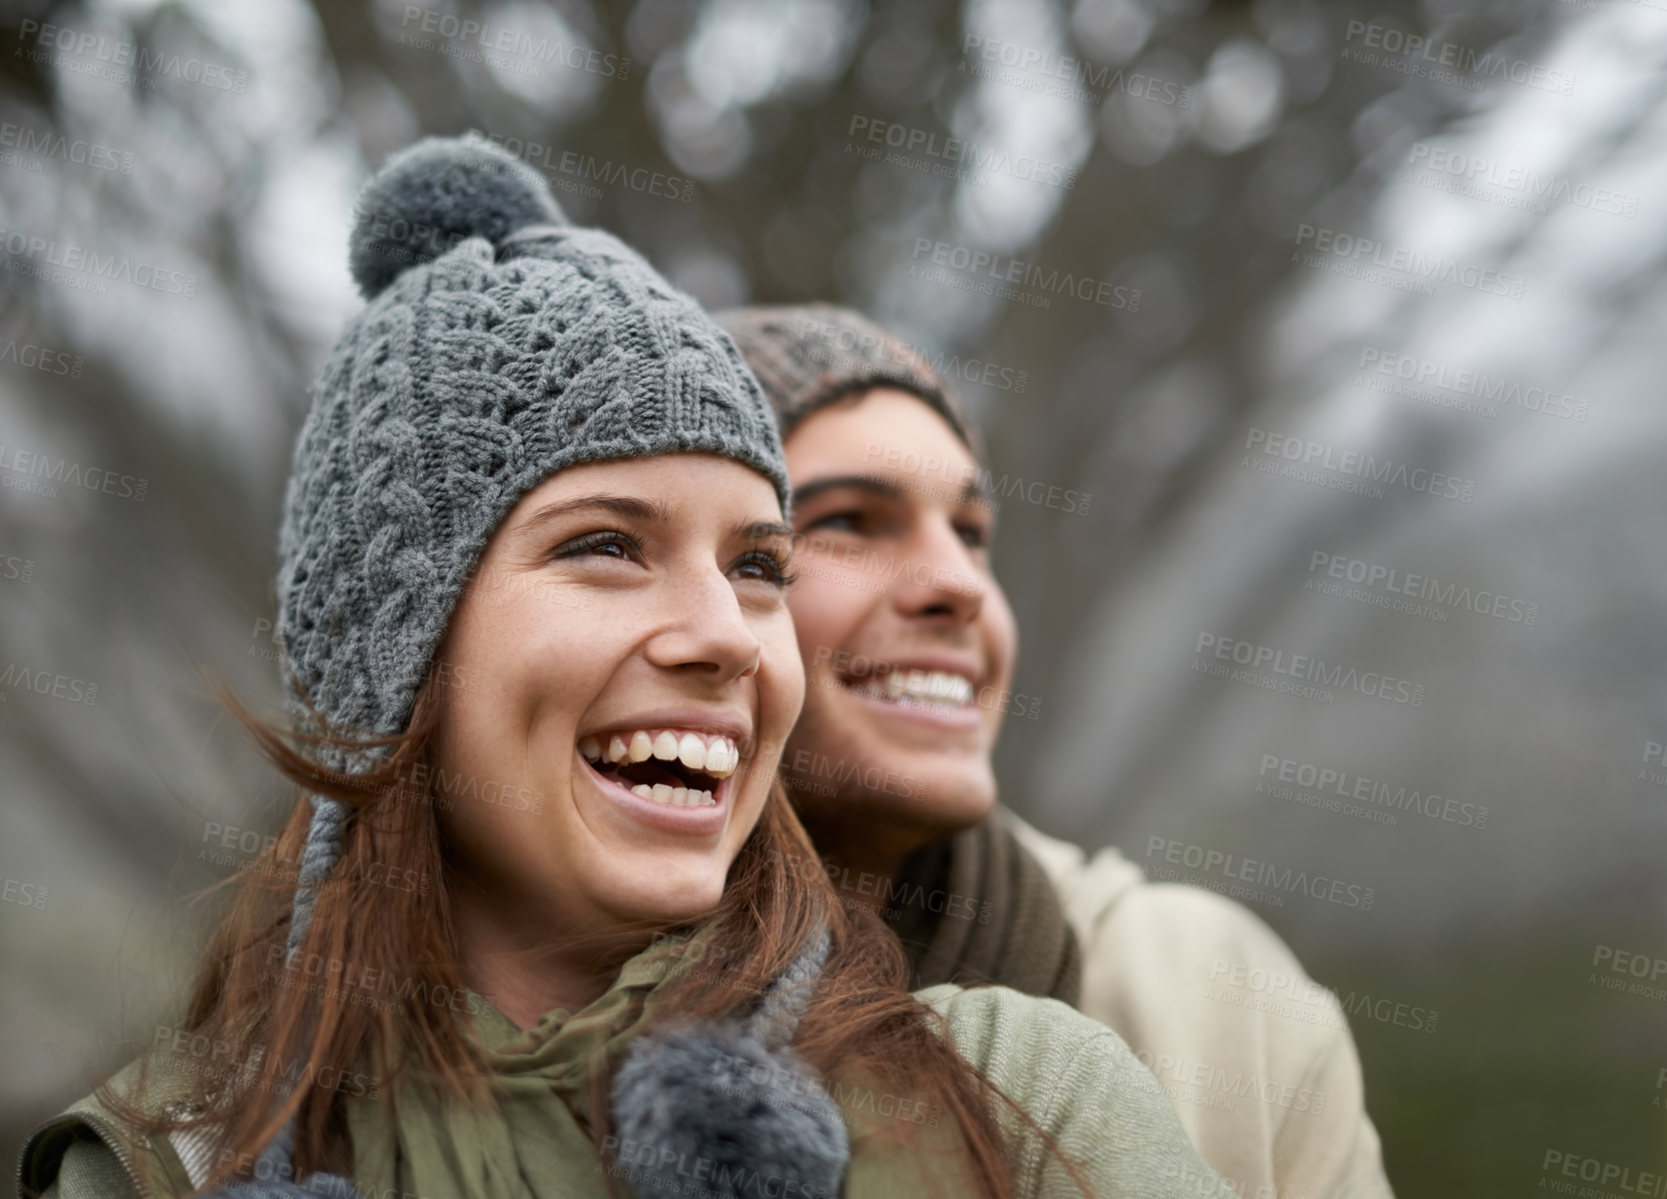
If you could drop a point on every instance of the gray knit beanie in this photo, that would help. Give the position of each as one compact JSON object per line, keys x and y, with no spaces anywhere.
{"x":499,"y":345}
{"x":809,"y":355}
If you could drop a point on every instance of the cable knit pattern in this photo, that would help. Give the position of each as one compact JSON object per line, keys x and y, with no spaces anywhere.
{"x":464,"y":383}
{"x":499,"y":346}
{"x":809,"y":355}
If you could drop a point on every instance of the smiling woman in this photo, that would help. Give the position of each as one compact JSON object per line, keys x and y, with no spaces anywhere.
{"x":535,"y":546}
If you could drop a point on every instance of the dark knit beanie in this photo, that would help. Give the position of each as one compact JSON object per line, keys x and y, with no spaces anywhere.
{"x":809,"y":355}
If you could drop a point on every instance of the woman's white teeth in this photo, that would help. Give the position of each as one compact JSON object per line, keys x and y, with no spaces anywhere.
{"x":682,"y":797}
{"x":717,"y":756}
{"x":929,"y":686}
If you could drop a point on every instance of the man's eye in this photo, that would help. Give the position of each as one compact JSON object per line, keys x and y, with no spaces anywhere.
{"x":974,"y":536}
{"x":849,"y":520}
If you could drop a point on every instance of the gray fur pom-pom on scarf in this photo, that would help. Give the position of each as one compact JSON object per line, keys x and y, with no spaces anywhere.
{"x":729,"y":1107}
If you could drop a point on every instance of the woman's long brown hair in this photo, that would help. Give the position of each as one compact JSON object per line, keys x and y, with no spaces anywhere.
{"x":292,"y":1042}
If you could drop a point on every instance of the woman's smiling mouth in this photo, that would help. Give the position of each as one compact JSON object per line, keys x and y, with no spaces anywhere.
{"x":666,"y":766}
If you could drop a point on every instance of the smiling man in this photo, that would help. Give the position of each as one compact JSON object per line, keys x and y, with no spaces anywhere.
{"x":908,"y":645}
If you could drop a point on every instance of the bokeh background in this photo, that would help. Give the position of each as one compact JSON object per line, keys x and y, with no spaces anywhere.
{"x":1505,"y":163}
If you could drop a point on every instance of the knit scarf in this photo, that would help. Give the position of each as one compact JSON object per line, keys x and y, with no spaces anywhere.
{"x":534,"y":1143}
{"x":977,"y":908}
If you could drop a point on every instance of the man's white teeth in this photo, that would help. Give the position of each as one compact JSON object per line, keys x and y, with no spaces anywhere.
{"x":682,"y":797}
{"x":928,"y":686}
{"x":717,"y":756}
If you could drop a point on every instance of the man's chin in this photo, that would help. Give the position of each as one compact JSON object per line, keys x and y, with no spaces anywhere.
{"x":902,"y":794}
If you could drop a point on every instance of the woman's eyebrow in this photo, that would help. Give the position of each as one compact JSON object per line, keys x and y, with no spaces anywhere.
{"x":648,"y":511}
{"x":623,"y":505}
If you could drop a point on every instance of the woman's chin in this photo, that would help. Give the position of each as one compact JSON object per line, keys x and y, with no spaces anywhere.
{"x":672,"y":896}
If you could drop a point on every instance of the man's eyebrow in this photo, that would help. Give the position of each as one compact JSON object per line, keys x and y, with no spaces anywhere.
{"x":758,"y":530}
{"x":977,"y":490}
{"x":870,"y":483}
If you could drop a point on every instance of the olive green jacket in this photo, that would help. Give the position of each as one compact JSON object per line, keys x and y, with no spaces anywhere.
{"x":1074,"y":1077}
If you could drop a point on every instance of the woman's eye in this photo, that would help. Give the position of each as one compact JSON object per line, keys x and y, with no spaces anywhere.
{"x":765,"y":567}
{"x":974,"y":536}
{"x":608,"y":544}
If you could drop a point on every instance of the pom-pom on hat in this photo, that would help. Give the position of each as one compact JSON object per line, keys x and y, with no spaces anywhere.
{"x":433,"y":194}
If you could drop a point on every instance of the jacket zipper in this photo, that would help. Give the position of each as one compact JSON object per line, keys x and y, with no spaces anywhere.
{"x":111,"y":1141}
